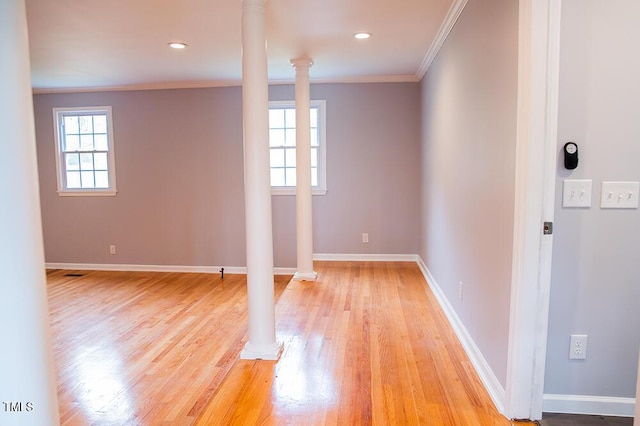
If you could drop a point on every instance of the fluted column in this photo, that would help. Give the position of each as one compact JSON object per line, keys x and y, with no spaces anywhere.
{"x":27,"y":376}
{"x":304,"y":220}
{"x":259,"y":236}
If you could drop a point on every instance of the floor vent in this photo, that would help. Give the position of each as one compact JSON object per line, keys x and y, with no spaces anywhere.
{"x":74,"y":275}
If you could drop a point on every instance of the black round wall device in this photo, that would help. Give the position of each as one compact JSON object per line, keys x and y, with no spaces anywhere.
{"x":570,"y":155}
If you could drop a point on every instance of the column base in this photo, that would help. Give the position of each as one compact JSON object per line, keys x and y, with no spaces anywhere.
{"x":305,"y":276}
{"x":269,"y":352}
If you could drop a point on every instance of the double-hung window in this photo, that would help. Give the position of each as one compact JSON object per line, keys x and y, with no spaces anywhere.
{"x":85,"y":151}
{"x":282,"y":146}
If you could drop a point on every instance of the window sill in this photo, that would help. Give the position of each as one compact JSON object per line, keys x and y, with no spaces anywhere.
{"x":292,"y":191}
{"x":88,"y":193}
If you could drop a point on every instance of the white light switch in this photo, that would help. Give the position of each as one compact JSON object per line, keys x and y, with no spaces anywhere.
{"x":619,"y":195}
{"x":576,"y":193}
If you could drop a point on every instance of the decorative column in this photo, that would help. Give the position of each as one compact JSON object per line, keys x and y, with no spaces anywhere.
{"x":257,"y":188}
{"x":27,"y":375}
{"x":304,"y":223}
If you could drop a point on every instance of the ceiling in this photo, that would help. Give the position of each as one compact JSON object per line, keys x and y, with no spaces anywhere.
{"x":94,"y":44}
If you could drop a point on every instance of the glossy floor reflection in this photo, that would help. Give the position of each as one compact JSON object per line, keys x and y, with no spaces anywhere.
{"x":101,"y":392}
{"x":365,"y":344}
{"x":135,"y":348}
{"x":304,"y":381}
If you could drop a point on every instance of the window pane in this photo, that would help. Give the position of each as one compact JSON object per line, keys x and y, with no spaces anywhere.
{"x":277,"y":177}
{"x":291,"y":177}
{"x":73,"y":179}
{"x":290,"y":137}
{"x":72,"y":161}
{"x":71,"y":125}
{"x":86,"y":124}
{"x":313,"y":117}
{"x":290,"y":118}
{"x":314,"y":157}
{"x":276,"y":118}
{"x":86,"y":142}
{"x":86,"y":180}
{"x":100,"y":161}
{"x":101,"y":143}
{"x":314,"y":176}
{"x":314,"y":137}
{"x":86,"y":162}
{"x":100,"y":124}
{"x":276,"y":137}
{"x":277,"y":158}
{"x":72,"y":143}
{"x":102,"y":179}
{"x":290,"y":157}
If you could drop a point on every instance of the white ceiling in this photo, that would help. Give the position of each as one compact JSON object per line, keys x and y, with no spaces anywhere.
{"x":123,"y":43}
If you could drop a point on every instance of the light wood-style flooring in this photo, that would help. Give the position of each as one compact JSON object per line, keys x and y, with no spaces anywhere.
{"x":365,"y":344}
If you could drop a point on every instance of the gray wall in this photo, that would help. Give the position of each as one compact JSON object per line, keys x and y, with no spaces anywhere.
{"x":595,"y":274}
{"x":469,"y":113}
{"x":180,"y":178}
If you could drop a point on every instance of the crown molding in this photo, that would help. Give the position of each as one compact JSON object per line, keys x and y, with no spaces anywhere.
{"x":447,"y":25}
{"x":403,"y":78}
{"x":144,"y":86}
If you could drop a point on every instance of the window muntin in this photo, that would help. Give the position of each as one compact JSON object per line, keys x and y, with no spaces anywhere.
{"x":84,"y":151}
{"x":282,"y":146}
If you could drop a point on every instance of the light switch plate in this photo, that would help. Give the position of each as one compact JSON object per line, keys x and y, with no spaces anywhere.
{"x":576,"y":193}
{"x":619,"y":195}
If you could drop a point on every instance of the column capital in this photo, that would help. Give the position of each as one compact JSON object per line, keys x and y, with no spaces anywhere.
{"x":302,"y":62}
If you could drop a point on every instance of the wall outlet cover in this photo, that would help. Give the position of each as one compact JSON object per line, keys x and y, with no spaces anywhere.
{"x":619,"y":195}
{"x":576,"y":193}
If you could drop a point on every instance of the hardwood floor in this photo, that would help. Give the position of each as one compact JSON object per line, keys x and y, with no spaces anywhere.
{"x":365,"y":344}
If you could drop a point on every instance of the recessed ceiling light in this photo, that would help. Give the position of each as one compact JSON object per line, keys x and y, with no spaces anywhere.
{"x":362,"y":36}
{"x":177,"y":45}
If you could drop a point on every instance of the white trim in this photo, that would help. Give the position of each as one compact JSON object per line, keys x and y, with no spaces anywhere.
{"x":398,"y":78}
{"x":292,"y":191}
{"x":365,"y":257}
{"x":308,"y":276}
{"x":487,"y":376}
{"x":269,"y":352}
{"x":587,"y":404}
{"x":401,"y":78}
{"x":321,"y":188}
{"x":637,"y":403}
{"x":159,"y":268}
{"x":87,"y":193}
{"x":58,"y":115}
{"x":538,"y":54}
{"x":447,"y":25}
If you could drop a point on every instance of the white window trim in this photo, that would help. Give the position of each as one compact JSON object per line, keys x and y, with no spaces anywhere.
{"x":60,"y":170}
{"x":321,"y":188}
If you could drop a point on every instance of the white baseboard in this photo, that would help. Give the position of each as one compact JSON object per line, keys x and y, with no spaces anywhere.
{"x":365,"y":257}
{"x":586,"y":404}
{"x":227,"y":269}
{"x":159,"y":268}
{"x":480,"y":364}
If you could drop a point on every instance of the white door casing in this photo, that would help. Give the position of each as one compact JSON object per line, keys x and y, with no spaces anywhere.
{"x":538,"y":71}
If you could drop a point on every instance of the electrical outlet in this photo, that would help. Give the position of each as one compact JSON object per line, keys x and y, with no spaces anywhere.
{"x":112,"y":249}
{"x":365,"y":237}
{"x":460,"y":289}
{"x":578,"y":346}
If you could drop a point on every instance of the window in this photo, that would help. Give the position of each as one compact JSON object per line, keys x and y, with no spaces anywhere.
{"x":282,"y":144}
{"x":84,"y":151}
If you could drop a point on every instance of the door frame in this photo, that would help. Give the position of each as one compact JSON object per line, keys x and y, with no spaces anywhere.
{"x":536,"y":162}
